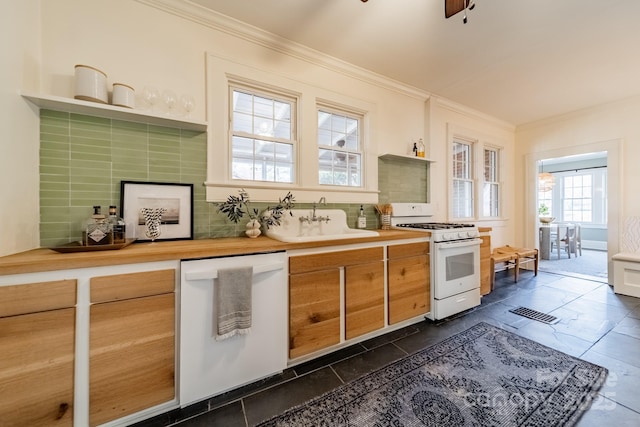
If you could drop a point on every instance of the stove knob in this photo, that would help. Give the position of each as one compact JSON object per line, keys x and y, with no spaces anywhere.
{"x":462,"y":235}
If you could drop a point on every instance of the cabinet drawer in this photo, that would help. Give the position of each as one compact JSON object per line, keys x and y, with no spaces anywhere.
{"x":324,"y":261}
{"x":408,"y":250}
{"x":36,"y":297}
{"x":132,"y":285}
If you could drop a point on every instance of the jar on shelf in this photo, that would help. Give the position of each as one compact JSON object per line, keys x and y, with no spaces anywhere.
{"x":90,"y":84}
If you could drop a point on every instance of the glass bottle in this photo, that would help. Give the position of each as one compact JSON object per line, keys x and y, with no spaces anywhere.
{"x":362,"y":219}
{"x":96,"y":229}
{"x":118,"y":226}
{"x":421,"y":148}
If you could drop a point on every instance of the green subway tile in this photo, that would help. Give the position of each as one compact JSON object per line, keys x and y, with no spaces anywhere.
{"x":91,"y":156}
{"x":53,"y":130}
{"x":85,"y":120}
{"x":53,"y":186}
{"x":62,"y":179}
{"x":54,"y":198}
{"x":55,"y":194}
{"x":55,"y":214}
{"x":124,"y":126}
{"x":54,"y":170}
{"x":162,"y":130}
{"x":163,"y":177}
{"x":53,"y":114}
{"x":80,"y":143}
{"x":130,"y":176}
{"x":55,"y":157}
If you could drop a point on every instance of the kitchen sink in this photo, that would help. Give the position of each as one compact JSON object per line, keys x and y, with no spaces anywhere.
{"x":312,"y":225}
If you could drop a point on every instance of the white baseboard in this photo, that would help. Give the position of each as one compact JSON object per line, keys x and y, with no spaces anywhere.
{"x":594,"y":244}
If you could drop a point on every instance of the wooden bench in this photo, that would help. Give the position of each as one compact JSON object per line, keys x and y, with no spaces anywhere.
{"x":512,"y":257}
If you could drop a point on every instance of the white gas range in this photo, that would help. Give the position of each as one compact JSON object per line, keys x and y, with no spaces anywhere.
{"x":455,"y":258}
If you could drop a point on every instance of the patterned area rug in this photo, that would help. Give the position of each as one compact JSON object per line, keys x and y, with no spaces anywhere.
{"x":484,"y":376}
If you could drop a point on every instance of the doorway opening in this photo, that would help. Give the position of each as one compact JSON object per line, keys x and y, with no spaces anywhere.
{"x":572,"y":215}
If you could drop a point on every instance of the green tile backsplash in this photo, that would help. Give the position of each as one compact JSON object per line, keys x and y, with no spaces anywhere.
{"x":83,"y":159}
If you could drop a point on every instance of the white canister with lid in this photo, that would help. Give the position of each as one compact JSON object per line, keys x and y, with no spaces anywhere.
{"x":123,"y":95}
{"x":90,"y":84}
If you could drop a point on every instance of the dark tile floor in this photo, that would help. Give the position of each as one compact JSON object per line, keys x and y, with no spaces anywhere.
{"x":595,"y":324}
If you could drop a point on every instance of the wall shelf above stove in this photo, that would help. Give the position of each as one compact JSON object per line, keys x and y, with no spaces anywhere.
{"x":405,"y":157}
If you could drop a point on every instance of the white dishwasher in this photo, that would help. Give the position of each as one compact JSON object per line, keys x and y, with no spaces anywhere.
{"x":209,"y":367}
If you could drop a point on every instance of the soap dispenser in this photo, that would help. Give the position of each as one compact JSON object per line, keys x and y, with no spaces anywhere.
{"x":362,"y":219}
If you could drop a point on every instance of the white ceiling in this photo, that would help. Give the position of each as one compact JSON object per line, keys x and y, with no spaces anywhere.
{"x":517,"y":60}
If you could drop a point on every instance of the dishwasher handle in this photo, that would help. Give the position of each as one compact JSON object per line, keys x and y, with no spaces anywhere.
{"x":213,"y":274}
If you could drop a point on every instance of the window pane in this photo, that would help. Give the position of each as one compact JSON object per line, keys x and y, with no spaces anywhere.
{"x":462,"y":199}
{"x":490,"y":200}
{"x":577,"y":200}
{"x":462,"y":196}
{"x":242,"y":122}
{"x":339,"y":155}
{"x":264,"y":157}
{"x":242,"y":102}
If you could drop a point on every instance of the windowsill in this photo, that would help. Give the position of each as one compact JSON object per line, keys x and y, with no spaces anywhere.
{"x":217,"y":192}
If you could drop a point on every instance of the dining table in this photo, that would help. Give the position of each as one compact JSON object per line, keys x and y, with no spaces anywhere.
{"x":547,"y":236}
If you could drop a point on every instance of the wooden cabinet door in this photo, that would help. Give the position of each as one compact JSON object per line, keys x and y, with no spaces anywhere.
{"x":131,"y":356}
{"x":36,"y":369}
{"x":314,"y":311}
{"x":485,"y":265}
{"x":364,"y":298}
{"x":409,"y":292}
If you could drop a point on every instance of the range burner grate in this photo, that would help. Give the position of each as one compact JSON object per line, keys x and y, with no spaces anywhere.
{"x":535,"y":315}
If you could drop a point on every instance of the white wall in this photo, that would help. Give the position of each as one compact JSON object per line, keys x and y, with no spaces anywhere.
{"x":19,"y":216}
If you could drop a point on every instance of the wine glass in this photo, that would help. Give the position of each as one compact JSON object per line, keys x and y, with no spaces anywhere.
{"x":169,"y":98}
{"x":188,"y":103}
{"x":150,"y":95}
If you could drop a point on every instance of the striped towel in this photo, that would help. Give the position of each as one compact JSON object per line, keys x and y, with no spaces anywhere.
{"x":232,"y":299}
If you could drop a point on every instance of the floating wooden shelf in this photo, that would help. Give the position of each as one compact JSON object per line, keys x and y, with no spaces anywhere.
{"x":72,"y":105}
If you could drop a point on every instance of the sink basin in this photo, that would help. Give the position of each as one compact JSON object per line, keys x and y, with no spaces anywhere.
{"x":292,"y":229}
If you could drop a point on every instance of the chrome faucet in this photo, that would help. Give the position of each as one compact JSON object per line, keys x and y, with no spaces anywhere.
{"x":321,"y":201}
{"x":314,"y":218}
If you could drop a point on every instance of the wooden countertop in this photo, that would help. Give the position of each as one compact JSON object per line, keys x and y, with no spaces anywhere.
{"x":43,"y":259}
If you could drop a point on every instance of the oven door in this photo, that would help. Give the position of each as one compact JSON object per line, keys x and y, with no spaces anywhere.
{"x":456,"y":267}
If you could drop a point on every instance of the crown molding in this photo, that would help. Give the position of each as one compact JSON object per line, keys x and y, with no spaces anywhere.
{"x":472,"y":113}
{"x":188,"y":10}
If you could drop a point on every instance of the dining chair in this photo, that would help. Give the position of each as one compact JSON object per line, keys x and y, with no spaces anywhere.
{"x":565,"y":239}
{"x":578,"y":241}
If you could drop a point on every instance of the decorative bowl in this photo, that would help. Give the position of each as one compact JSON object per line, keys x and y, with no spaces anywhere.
{"x":546,"y":219}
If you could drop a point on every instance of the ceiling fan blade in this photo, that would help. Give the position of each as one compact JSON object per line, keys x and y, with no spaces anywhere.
{"x":451,"y":7}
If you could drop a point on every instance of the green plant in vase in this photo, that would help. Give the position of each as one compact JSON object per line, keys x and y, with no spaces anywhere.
{"x":237,"y":207}
{"x":543,"y":214}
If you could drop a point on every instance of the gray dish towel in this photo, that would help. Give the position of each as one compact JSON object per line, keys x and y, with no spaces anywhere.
{"x":232,"y":299}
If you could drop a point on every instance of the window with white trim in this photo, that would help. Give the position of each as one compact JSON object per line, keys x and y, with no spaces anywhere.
{"x":339,"y":148}
{"x":491,"y":185}
{"x":263,"y":135}
{"x":577,"y":203}
{"x":475,"y":180}
{"x":463,"y":185}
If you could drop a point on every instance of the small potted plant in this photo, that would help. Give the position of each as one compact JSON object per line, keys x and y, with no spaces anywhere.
{"x":236,"y":207}
{"x":543,"y":214}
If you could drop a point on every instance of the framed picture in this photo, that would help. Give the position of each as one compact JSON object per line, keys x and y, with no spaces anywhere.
{"x":177,"y":199}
